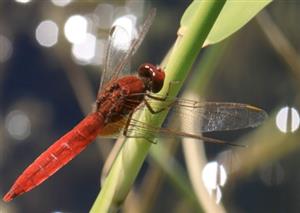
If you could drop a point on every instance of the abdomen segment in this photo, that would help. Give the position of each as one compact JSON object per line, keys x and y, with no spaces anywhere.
{"x":57,"y":155}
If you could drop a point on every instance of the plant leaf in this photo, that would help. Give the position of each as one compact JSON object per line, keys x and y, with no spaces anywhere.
{"x":234,"y":15}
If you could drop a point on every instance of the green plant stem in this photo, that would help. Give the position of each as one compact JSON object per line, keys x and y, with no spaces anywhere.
{"x":197,"y":84}
{"x":134,"y":151}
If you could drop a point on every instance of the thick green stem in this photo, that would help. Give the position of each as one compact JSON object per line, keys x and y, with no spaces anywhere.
{"x":134,"y":151}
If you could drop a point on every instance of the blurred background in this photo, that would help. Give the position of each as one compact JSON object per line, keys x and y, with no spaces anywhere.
{"x":51,"y":56}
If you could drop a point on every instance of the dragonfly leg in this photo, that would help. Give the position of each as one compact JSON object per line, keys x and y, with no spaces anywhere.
{"x":126,"y":133}
{"x":150,"y":108}
{"x":167,"y":94}
{"x":153,"y":111}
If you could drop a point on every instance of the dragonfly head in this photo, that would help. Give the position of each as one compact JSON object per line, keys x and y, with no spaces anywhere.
{"x":153,"y":76}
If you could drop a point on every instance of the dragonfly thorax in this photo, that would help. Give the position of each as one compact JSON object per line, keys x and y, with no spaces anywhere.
{"x":120,"y":97}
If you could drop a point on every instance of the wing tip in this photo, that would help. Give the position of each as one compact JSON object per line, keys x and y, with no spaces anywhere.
{"x":260,"y":115}
{"x":257,"y":109}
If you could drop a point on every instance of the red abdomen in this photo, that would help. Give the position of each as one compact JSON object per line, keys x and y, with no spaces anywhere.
{"x":57,"y":155}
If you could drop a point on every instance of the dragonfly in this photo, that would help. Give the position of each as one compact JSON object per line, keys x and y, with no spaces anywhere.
{"x":121,"y":96}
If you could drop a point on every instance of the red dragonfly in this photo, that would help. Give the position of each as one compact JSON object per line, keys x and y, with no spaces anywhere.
{"x":118,"y":98}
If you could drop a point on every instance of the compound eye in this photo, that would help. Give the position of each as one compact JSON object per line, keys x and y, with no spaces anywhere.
{"x":146,"y":70}
{"x":155,"y":74}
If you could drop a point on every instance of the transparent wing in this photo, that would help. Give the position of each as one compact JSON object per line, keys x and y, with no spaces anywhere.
{"x":122,"y":45}
{"x":137,"y":129}
{"x":215,"y":116}
{"x":117,"y":46}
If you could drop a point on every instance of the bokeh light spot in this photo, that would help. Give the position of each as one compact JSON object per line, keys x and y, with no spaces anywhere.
{"x":287,"y":119}
{"x":5,"y":48}
{"x":23,"y":1}
{"x":76,"y":29}
{"x":47,"y":33}
{"x":214,"y":176}
{"x":85,"y":51}
{"x":124,"y":32}
{"x":18,"y":125}
{"x":61,"y":3}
